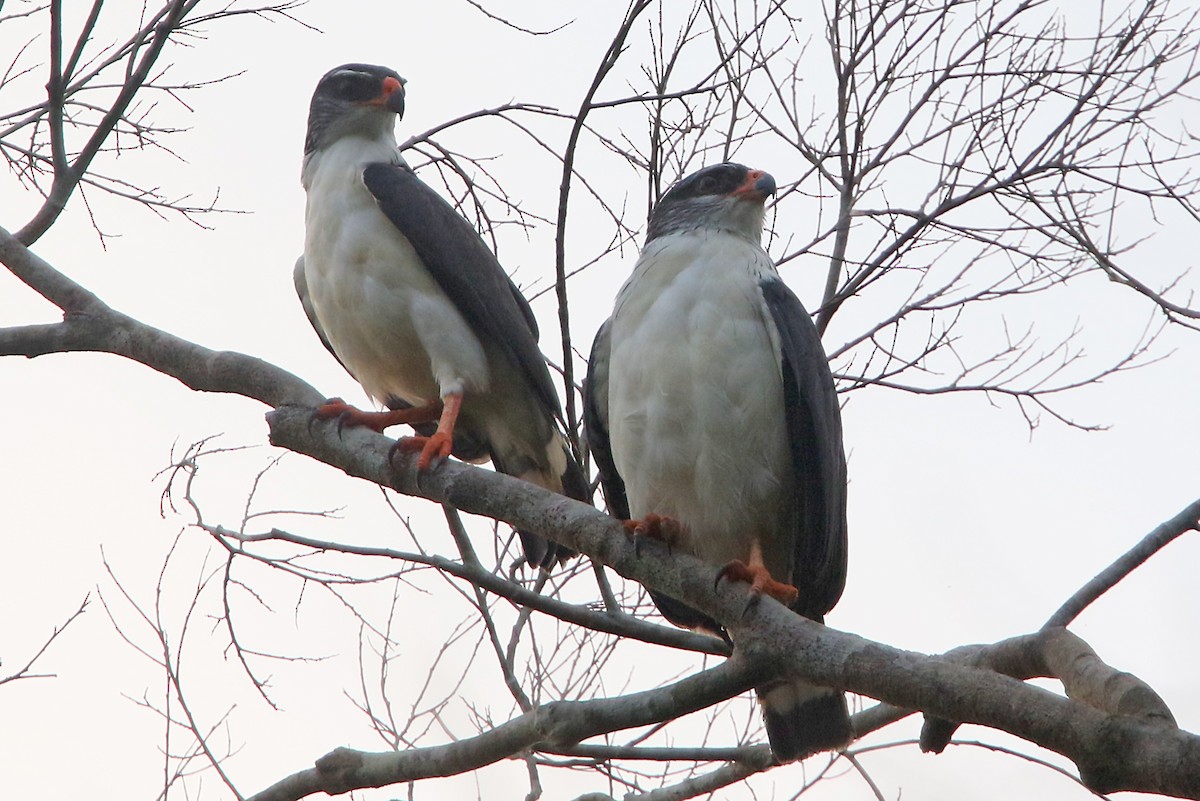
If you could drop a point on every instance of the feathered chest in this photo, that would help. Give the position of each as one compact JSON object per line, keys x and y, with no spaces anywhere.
{"x":384,"y":314}
{"x":344,"y":229}
{"x":695,"y":388}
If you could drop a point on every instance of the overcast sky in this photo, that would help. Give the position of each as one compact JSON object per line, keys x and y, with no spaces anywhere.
{"x":965,"y":527}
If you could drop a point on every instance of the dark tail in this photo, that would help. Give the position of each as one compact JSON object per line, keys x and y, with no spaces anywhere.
{"x":540,"y":552}
{"x":803,"y":719}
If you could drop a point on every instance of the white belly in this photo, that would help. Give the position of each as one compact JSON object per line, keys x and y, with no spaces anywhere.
{"x":695,"y":394}
{"x":384,"y":315}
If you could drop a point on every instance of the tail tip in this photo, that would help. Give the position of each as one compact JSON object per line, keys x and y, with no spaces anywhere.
{"x":821,"y":723}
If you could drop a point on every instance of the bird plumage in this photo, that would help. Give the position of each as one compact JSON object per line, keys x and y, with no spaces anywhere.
{"x":709,"y":401}
{"x":404,"y":292}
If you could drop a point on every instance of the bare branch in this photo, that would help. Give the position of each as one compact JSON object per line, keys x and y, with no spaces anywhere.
{"x":24,"y":672}
{"x":1187,"y":520}
{"x":560,"y":722}
{"x":609,"y":60}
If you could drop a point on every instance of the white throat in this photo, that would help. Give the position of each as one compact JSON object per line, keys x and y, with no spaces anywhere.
{"x":349,"y":155}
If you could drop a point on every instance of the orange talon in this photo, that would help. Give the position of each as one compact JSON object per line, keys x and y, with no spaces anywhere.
{"x":759,"y":578}
{"x":666,"y":530}
{"x":436,"y":448}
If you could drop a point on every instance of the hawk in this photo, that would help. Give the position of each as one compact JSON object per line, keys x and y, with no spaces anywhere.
{"x":713,"y":418}
{"x":404,"y":292}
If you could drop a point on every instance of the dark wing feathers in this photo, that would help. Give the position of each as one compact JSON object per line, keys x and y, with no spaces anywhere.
{"x":523,"y":305}
{"x":595,"y":423}
{"x":465,"y":269}
{"x":468,"y":272}
{"x":814,"y":424}
{"x":301,"y":282}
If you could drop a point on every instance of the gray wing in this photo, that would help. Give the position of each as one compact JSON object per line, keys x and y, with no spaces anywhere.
{"x":595,"y":423}
{"x":814,"y":427}
{"x":466,"y":270}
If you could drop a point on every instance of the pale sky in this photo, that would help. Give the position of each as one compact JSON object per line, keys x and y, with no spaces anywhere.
{"x":964,"y":527}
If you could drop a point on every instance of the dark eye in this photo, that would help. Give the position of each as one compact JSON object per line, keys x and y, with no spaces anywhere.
{"x":706,"y":185}
{"x":354,"y":87}
{"x":358,"y":88}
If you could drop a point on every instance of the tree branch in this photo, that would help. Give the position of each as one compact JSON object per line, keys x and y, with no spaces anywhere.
{"x":1187,"y":520}
{"x":556,"y":723}
{"x":1112,"y":752}
{"x":91,"y":325}
{"x":23,"y":673}
{"x":1154,"y":758}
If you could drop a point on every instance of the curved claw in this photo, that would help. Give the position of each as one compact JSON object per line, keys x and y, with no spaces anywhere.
{"x":666,"y":530}
{"x":760,"y":582}
{"x":396,"y":447}
{"x":434,"y":449}
{"x":437,"y":450}
{"x":332,"y":407}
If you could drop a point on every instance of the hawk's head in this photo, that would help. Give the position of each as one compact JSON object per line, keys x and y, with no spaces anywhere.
{"x":353,"y":100}
{"x":726,"y":197}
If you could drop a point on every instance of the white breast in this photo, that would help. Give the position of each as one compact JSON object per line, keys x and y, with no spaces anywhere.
{"x":695,"y":392}
{"x":383,"y":313}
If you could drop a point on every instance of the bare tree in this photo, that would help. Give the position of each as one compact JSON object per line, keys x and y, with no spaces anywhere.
{"x":949,"y":161}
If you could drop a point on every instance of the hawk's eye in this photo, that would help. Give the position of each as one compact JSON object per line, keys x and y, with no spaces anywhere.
{"x":352,"y":86}
{"x":706,"y":185}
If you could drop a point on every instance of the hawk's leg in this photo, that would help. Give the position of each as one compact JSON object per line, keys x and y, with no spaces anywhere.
{"x":347,"y":415}
{"x":434,"y":449}
{"x":657,"y":527}
{"x":761,"y":583}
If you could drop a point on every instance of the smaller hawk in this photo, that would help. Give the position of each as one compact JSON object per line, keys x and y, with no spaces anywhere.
{"x":404,"y":292}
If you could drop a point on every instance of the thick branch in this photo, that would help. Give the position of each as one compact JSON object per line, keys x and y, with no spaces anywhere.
{"x":1055,"y":653}
{"x":91,"y":325}
{"x":1112,"y":752}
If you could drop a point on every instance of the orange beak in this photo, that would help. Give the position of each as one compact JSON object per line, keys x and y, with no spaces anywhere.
{"x":391,"y":95}
{"x":758,"y":186}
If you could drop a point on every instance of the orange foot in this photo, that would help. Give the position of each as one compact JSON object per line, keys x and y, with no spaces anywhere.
{"x":657,"y":527}
{"x":434,"y":449}
{"x":760,"y":582}
{"x":347,"y":415}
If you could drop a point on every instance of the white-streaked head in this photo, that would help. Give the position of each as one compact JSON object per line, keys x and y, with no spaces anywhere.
{"x":728,"y":197}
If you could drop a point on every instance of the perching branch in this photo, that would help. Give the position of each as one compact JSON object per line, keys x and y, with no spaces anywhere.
{"x":776,"y":641}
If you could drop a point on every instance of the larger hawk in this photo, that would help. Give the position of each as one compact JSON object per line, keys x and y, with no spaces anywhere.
{"x":709,"y":402}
